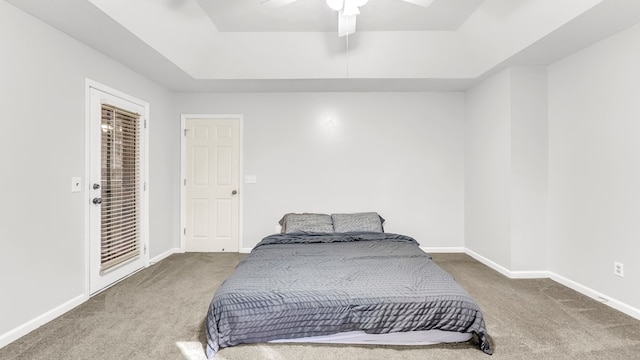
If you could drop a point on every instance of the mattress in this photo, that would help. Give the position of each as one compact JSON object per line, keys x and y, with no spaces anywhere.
{"x":306,"y":285}
{"x":407,"y":338}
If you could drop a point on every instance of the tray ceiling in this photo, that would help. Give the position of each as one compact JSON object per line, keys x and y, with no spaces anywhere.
{"x":241,"y":45}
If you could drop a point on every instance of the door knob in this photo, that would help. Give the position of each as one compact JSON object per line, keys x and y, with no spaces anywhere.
{"x":234,"y":192}
{"x":96,"y":186}
{"x":97,"y":201}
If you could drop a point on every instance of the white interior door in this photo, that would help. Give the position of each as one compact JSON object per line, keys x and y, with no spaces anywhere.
{"x":116,"y":188}
{"x":212,"y":184}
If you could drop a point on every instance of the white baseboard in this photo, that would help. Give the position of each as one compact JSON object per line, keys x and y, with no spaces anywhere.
{"x":164,"y":255}
{"x":533,"y":274}
{"x":245,"y":250}
{"x":537,"y":274}
{"x":35,"y":323}
{"x":616,"y":304}
{"x":440,"y":250}
{"x":495,"y":266}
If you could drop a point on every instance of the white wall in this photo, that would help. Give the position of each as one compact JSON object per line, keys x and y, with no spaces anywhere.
{"x":488,"y":169}
{"x":594,"y":166}
{"x":42,"y":140}
{"x":560,"y":196}
{"x":529,"y":173}
{"x":400,"y":154}
{"x":506,"y":169}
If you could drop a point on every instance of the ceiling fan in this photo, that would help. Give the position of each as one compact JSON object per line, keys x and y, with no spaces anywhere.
{"x":347,"y":11}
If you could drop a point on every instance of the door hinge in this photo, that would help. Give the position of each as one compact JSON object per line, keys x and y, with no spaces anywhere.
{"x":145,"y":123}
{"x":185,"y":132}
{"x":184,"y":231}
{"x":145,"y":248}
{"x":145,"y":186}
{"x":185,"y":181}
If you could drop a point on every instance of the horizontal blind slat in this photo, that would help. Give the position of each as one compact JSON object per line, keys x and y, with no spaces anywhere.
{"x":111,"y":237}
{"x":116,"y":248}
{"x":118,"y":252}
{"x":119,"y":260}
{"x":121,"y":229}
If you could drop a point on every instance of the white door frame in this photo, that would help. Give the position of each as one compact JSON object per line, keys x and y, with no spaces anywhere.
{"x":183,"y":172}
{"x":144,"y":196}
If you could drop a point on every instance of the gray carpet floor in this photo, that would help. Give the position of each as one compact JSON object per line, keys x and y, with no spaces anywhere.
{"x":158,"y":313}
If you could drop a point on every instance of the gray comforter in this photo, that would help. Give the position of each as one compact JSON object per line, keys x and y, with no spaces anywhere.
{"x":312,"y":284}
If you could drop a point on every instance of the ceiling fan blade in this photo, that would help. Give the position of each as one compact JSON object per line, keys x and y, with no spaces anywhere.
{"x":346,"y":24}
{"x":276,"y":3}
{"x":423,"y":3}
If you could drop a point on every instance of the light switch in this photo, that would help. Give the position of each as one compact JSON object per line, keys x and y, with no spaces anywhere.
{"x":250,"y":179}
{"x":76,"y":184}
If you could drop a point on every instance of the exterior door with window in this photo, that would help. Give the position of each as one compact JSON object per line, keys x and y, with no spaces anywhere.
{"x":116,"y":189}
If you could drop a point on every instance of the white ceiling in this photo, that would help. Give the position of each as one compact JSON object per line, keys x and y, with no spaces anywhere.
{"x":241,"y":45}
{"x":315,"y":15}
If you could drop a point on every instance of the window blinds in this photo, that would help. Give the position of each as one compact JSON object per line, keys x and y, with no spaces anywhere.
{"x":120,"y":213}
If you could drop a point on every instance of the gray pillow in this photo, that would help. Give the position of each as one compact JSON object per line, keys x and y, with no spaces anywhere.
{"x":292,"y":223}
{"x":366,"y":221}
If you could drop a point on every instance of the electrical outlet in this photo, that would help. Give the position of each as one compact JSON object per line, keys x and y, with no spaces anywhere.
{"x":618,"y":269}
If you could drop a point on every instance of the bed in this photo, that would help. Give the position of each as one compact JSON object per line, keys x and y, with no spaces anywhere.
{"x":363,"y":286}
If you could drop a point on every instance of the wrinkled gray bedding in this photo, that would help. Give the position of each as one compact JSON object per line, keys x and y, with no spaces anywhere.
{"x":311,"y":284}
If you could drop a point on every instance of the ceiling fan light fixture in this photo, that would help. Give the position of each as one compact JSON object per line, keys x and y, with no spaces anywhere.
{"x":350,"y":9}
{"x":349,"y":5}
{"x":347,"y":11}
{"x":336,"y":5}
{"x":346,"y":25}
